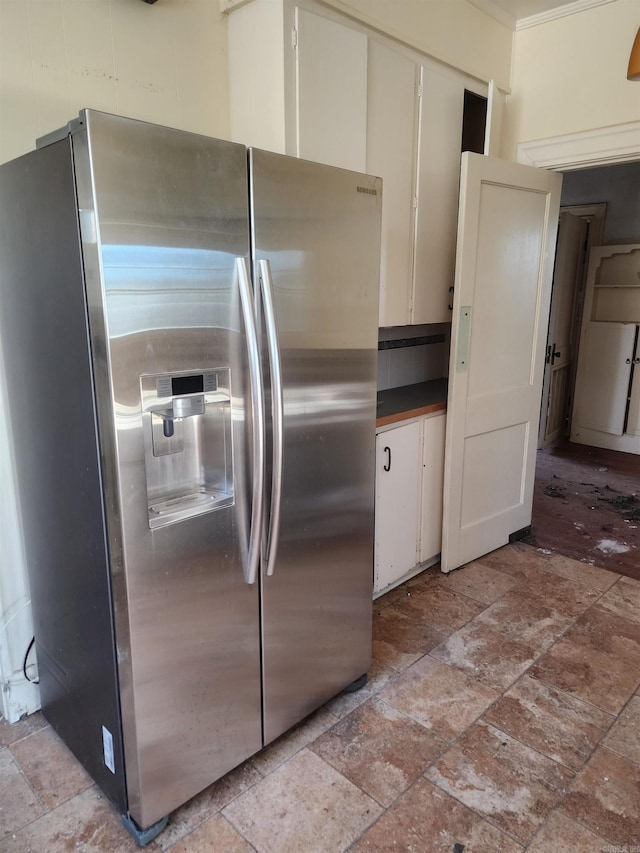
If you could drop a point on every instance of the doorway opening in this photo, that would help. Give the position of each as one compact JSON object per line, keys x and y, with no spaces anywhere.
{"x":586,"y":499}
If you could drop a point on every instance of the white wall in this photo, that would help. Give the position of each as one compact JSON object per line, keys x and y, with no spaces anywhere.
{"x":619,"y":187}
{"x":165,"y":63}
{"x":570,"y":75}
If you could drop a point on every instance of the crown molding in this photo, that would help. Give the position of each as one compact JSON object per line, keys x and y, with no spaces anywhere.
{"x":497,"y":10}
{"x":603,"y":146}
{"x":559,"y":12}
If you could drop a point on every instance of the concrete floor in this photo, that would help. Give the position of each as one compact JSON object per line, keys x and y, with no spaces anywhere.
{"x":502,"y":714}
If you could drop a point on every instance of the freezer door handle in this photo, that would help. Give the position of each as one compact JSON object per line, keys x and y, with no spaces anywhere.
{"x":277,"y":414}
{"x":257,"y":403}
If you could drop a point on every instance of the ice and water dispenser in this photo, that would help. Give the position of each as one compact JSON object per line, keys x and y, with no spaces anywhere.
{"x":188,"y":446}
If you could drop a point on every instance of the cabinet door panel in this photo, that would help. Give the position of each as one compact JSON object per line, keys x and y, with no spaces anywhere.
{"x":603,"y":377}
{"x":331,"y":98}
{"x":432,"y":483}
{"x":438,"y":184}
{"x":391,"y":146}
{"x":397,"y":502}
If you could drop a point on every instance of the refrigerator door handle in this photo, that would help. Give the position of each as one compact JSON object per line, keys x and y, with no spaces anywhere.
{"x":257,"y":401}
{"x":277,"y":414}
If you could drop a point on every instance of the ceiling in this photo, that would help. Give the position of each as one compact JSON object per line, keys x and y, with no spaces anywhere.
{"x":510,"y":12}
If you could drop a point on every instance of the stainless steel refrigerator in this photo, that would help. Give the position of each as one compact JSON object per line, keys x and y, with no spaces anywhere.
{"x":189,"y":339}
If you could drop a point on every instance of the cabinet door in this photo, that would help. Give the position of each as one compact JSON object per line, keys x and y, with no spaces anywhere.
{"x":604,"y":368}
{"x":432,"y":483}
{"x":398,"y":478}
{"x":331,"y":96}
{"x":440,"y":141}
{"x":391,"y":151}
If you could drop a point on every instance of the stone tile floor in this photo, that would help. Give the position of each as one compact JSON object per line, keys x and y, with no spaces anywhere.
{"x":502,"y":713}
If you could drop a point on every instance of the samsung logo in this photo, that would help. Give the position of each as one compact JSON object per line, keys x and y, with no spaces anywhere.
{"x":367,"y":190}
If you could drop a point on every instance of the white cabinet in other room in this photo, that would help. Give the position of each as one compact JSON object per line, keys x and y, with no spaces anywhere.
{"x":409,"y":479}
{"x":606,"y":412}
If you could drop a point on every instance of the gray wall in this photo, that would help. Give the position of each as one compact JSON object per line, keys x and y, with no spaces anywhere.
{"x":619,"y":187}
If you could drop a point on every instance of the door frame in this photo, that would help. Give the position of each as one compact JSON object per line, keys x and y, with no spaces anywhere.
{"x":594,"y":214}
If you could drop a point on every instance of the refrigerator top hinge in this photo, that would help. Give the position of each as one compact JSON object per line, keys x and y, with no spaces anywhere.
{"x":294,"y":38}
{"x":61,"y":133}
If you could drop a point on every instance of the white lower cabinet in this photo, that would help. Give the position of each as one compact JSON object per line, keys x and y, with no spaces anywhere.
{"x":409,"y":477}
{"x":433,"y":430}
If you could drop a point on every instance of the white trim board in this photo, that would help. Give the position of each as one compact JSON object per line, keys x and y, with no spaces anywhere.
{"x":499,"y":12}
{"x":559,"y":12}
{"x":600,"y":147}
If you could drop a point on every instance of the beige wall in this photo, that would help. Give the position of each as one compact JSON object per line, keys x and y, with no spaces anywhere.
{"x":452,"y":31}
{"x":165,"y":63}
{"x":570,"y":75}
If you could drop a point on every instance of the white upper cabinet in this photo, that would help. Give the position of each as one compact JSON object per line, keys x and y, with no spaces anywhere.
{"x":331,"y":102}
{"x":391,"y":148}
{"x":441,"y":115}
{"x":306,"y":81}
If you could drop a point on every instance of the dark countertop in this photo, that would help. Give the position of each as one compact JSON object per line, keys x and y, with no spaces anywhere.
{"x":411,"y":401}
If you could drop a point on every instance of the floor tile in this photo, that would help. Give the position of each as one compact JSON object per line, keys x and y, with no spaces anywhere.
{"x":623,"y":599}
{"x":486,"y":654}
{"x":189,"y":816}
{"x":379,"y":749}
{"x":607,"y":632}
{"x":399,"y":640}
{"x":506,"y":781}
{"x":389,"y":598}
{"x":294,"y":740}
{"x":86,"y":823}
{"x":596,"y":677}
{"x":604,"y":797}
{"x":215,"y":834}
{"x":624,"y":737}
{"x":560,"y":594}
{"x":525,"y":620}
{"x":431,"y":576}
{"x":516,"y":559}
{"x":426,"y":819}
{"x":439,"y":697}
{"x":558,"y":725}
{"x":480,"y":581}
{"x":560,"y":834}
{"x":303,"y":805}
{"x":575,"y":570}
{"x":18,"y":803}
{"x":51,"y":768}
{"x":344,"y":703}
{"x":442,"y":609}
{"x":11,"y":732}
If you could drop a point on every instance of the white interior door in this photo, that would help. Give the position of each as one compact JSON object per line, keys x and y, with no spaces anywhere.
{"x":572,"y":237}
{"x":506,"y":240}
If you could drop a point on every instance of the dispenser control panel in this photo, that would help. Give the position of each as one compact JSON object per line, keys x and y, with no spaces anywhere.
{"x":194,"y":383}
{"x":188,"y":443}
